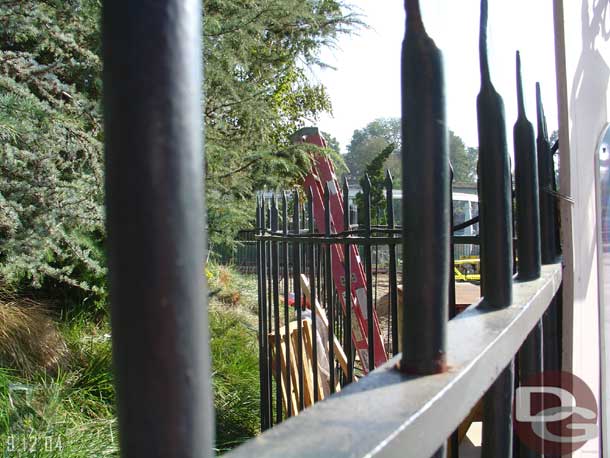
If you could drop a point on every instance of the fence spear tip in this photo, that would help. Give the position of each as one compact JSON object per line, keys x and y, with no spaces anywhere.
{"x":388,"y":177}
{"x":345,"y":182}
{"x":366,"y":182}
{"x":520,"y":101}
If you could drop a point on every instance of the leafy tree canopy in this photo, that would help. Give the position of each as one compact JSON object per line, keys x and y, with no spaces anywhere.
{"x":367,"y":143}
{"x":376,"y":175}
{"x":258,"y":94}
{"x":332,"y":142}
{"x":463,"y":160}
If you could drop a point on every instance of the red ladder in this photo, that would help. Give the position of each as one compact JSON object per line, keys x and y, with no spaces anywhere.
{"x":323,"y":173}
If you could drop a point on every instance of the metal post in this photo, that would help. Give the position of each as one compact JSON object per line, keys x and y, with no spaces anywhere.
{"x":495,"y":187}
{"x":297,"y":296}
{"x":393,"y":282}
{"x":328,"y":285}
{"x":348,"y":287}
{"x":498,"y":417}
{"x":454,"y":439}
{"x":528,"y":234}
{"x":275,"y":280}
{"x":548,"y":235}
{"x":495,"y":196}
{"x":269,"y":315}
{"x":368,"y":270}
{"x":312,"y":300}
{"x":526,"y":190}
{"x":545,"y":178}
{"x":425,"y":203}
{"x":286,"y":278}
{"x":452,"y":298}
{"x":530,"y":364}
{"x":262,"y":316}
{"x":156,"y":226}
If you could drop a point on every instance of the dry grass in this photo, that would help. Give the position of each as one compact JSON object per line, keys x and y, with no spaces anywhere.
{"x":228,"y":281}
{"x":29,"y":340}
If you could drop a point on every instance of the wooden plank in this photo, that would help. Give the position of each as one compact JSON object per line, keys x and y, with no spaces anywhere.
{"x":294,"y":395}
{"x":294,"y":365}
{"x":281,"y":383}
{"x":308,"y":387}
{"x":321,"y":315}
{"x":307,"y":337}
{"x":307,"y":370}
{"x":288,"y":396}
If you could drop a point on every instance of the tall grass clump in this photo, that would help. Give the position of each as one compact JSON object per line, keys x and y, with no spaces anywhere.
{"x":29,"y":339}
{"x":57,"y":396}
{"x":66,"y":413}
{"x":53,"y":417}
{"x":234,"y":348}
{"x":235,"y":378}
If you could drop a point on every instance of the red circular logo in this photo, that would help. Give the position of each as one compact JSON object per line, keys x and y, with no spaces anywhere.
{"x":555,"y":412}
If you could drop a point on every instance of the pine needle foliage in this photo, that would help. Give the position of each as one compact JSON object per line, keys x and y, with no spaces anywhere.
{"x":257,"y":90}
{"x":51,"y":178}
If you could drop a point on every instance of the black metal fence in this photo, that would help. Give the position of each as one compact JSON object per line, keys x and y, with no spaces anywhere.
{"x":295,"y":278}
{"x":289,"y":248}
{"x":408,"y":406}
{"x":242,"y":254}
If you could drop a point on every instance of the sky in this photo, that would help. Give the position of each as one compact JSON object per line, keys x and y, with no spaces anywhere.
{"x":365,"y":84}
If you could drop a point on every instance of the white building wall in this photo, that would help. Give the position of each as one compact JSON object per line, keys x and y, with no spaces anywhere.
{"x":582,"y":33}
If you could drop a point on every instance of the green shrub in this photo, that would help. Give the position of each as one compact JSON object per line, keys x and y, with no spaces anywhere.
{"x":235,"y":378}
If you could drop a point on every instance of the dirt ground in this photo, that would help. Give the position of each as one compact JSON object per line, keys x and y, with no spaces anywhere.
{"x":466,"y":294}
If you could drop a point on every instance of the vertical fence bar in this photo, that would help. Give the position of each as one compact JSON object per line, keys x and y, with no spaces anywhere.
{"x":393,"y":281}
{"x":497,"y":416}
{"x":452,"y":299}
{"x":454,"y":439}
{"x":526,"y":190}
{"x":297,"y":296}
{"x":495,"y":186}
{"x":312,"y":298}
{"x":269,"y":316}
{"x":155,"y":219}
{"x":275,"y":278}
{"x":265,"y":387}
{"x":319,"y":264}
{"x":259,"y":277}
{"x":528,"y":235}
{"x":368,"y":268}
{"x":286,"y":278}
{"x":329,"y":289}
{"x":262,"y":314}
{"x":545,"y":177}
{"x":495,"y":197}
{"x":530,"y":364}
{"x":548,"y":235}
{"x":348,"y":345}
{"x":425,"y":172}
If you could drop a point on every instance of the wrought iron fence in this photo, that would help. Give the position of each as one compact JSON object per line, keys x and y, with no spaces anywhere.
{"x":307,"y":345}
{"x":242,"y":254}
{"x":429,"y":342}
{"x":413,"y":402}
